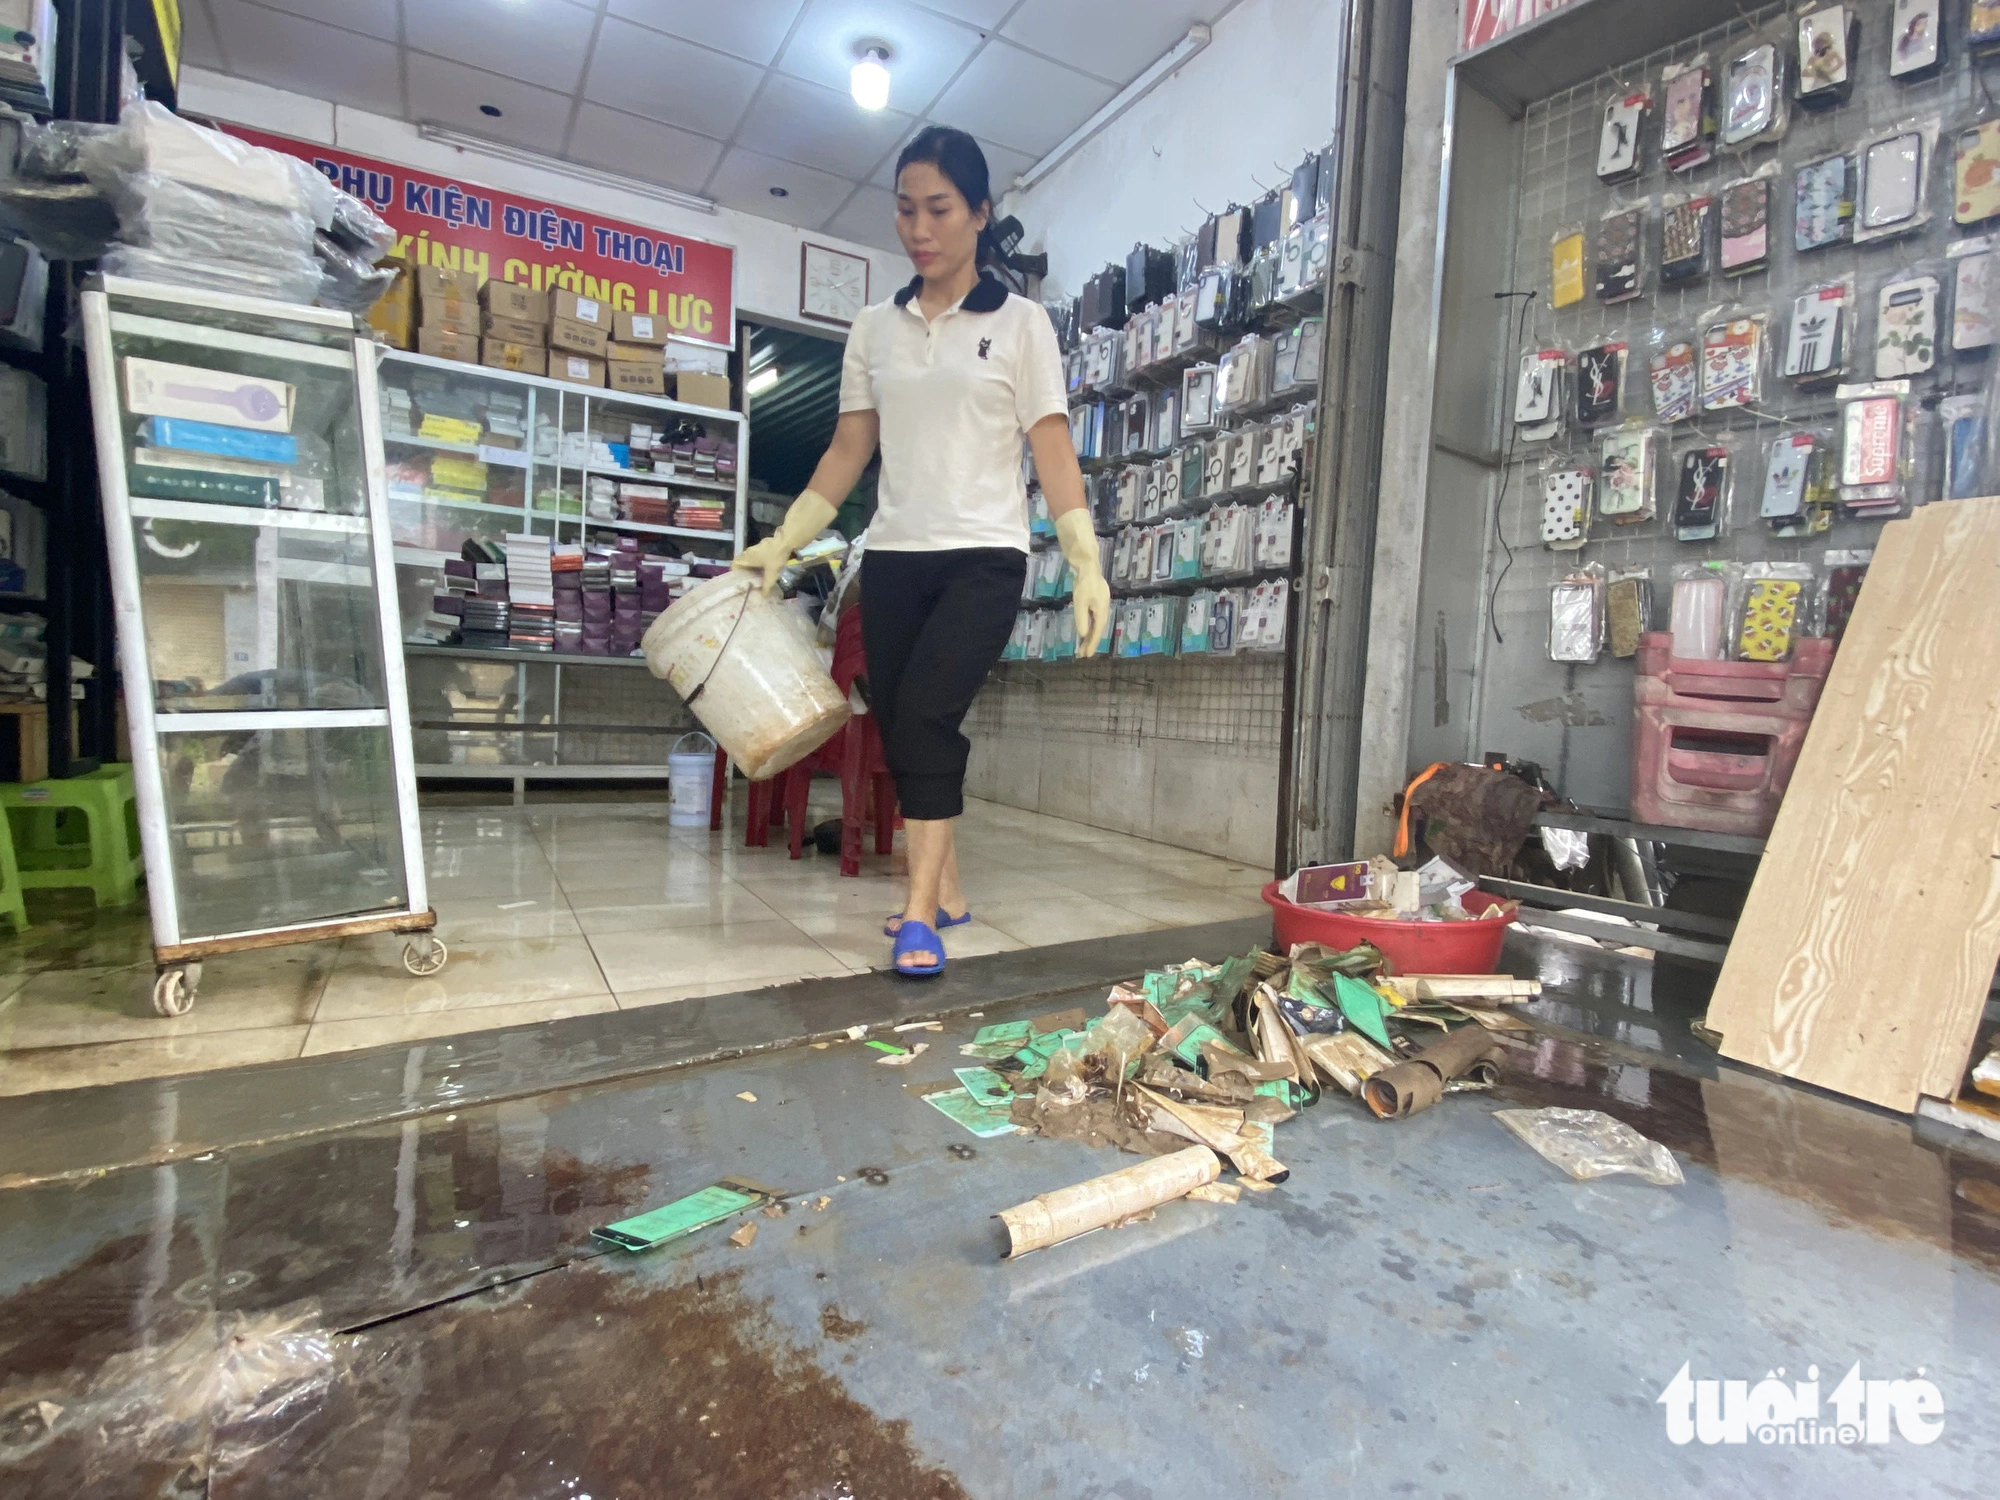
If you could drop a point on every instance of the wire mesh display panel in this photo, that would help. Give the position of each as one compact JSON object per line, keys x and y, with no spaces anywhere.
{"x":1232,"y":703}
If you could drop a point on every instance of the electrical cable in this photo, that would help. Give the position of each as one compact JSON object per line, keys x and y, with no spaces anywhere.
{"x":1506,"y":473}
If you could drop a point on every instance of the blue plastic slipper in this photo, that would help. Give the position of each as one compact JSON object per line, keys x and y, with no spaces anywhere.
{"x":918,"y":937}
{"x":943,"y":921}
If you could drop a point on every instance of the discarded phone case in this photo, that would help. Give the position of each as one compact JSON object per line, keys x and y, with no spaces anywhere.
{"x":1816,"y":348}
{"x":1964,"y":419}
{"x":1973,"y":309}
{"x":1824,"y":213}
{"x":1684,"y":239}
{"x":1906,"y":328}
{"x":1625,"y":475}
{"x":1746,"y":226}
{"x":1976,"y":174}
{"x":1566,"y":507}
{"x":1618,"y":154}
{"x":1732,"y":364}
{"x":1675,"y":381}
{"x":1618,"y":240}
{"x":1916,"y":39}
{"x":1600,"y":375}
{"x":1698,"y":503}
{"x":1828,"y":40}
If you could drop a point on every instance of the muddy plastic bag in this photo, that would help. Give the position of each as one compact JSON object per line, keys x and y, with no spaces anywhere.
{"x":1588,"y":1143}
{"x":1120,"y":1038}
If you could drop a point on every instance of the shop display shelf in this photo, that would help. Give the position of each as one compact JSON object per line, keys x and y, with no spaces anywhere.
{"x":245,"y":515}
{"x":647,"y":528}
{"x":484,"y":507}
{"x":511,"y":654}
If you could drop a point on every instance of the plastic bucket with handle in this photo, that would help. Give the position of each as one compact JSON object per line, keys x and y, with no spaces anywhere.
{"x":748,"y":668}
{"x":690,"y":781}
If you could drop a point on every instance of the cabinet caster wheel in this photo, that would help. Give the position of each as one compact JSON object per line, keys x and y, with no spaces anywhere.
{"x":174,"y":989}
{"x":424,"y":956}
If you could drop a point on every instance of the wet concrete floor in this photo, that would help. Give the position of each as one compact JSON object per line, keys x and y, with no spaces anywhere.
{"x":414,"y":1307}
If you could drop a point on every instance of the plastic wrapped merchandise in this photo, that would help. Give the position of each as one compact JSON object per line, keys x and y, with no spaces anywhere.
{"x":1566,"y":491}
{"x":1753,"y":95}
{"x":1772,"y":611}
{"x":1701,"y":499}
{"x":1874,"y":451}
{"x":1576,"y":615}
{"x":1566,"y":266}
{"x":1817,"y":335}
{"x":1588,"y":1143}
{"x":1732,"y":363}
{"x":49,"y":200}
{"x":1621,"y":242}
{"x":1964,"y":419}
{"x":1746,"y":222}
{"x":1700,"y":602}
{"x":1539,"y":394}
{"x":1627,"y":460}
{"x":1786,"y":464}
{"x":1673,"y":371}
{"x":1628,"y":610}
{"x":1840,"y":589}
{"x":1893,"y":196}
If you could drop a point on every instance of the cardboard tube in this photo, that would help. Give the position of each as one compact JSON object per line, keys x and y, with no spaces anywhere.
{"x":1055,"y":1217}
{"x":1419,"y":1083}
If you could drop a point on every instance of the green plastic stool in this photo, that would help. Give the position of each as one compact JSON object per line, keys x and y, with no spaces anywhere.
{"x":12,"y":904}
{"x":83,"y":831}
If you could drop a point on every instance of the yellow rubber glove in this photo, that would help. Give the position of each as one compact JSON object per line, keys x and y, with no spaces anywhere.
{"x":809,"y":515}
{"x":1090,"y":600}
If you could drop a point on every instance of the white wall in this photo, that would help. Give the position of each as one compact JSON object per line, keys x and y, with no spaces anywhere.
{"x":1242,"y":110}
{"x":767,"y":252}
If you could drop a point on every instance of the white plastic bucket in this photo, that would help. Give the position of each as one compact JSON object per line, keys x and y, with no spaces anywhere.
{"x":747,"y":667}
{"x":690,"y":782}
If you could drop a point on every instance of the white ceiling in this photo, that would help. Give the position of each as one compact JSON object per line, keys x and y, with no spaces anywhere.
{"x":725,"y":98}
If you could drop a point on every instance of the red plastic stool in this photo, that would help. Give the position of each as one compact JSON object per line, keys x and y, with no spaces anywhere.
{"x":718,"y":789}
{"x":866,"y":788}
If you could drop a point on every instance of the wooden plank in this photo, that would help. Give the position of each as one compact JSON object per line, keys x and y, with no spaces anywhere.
{"x":319,"y":932}
{"x":1863,"y":956}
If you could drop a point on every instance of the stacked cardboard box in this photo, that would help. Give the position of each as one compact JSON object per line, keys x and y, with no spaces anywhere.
{"x":394,"y":314}
{"x":514,"y":328}
{"x":580,"y":325}
{"x":447,"y":313}
{"x":637,"y":356}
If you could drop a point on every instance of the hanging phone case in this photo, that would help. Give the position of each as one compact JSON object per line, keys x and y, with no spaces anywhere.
{"x":1828,"y":38}
{"x":1535,"y":393}
{"x":1906,"y":328}
{"x":1684,"y":237}
{"x":1688,"y":122}
{"x":1574,"y":633}
{"x":1625,"y":477}
{"x":1982,"y":24}
{"x":1825,"y":203}
{"x":1785,"y":477}
{"x":1731,"y":362}
{"x":1618,"y":255}
{"x":1871,"y":446}
{"x":1566,"y":269}
{"x":1243,"y":458}
{"x":1750,"y":95}
{"x":1976,"y":174}
{"x":1193,"y":459}
{"x":1746,"y":226}
{"x":1599,"y":374}
{"x":1618,"y":142}
{"x":1964,"y":419}
{"x":1817,"y":338}
{"x":1770,"y":619}
{"x":1843,"y":592}
{"x":1698,"y":503}
{"x":1565,"y":507}
{"x":1892,"y":174}
{"x":1973,"y":297}
{"x":1916,"y":39}
{"x":1674,"y":382}
{"x":1625,"y":611}
{"x":1215,"y":468}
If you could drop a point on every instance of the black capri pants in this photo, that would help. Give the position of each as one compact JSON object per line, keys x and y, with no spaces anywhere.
{"x":933,"y":624}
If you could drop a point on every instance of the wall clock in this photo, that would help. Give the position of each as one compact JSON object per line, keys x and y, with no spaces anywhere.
{"x":833,"y":285}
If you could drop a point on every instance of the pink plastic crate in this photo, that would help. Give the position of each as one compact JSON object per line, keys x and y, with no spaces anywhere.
{"x":1714,"y":742}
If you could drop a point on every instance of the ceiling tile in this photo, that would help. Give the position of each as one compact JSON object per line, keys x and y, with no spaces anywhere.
{"x":869,"y":219}
{"x":928,"y":49}
{"x":1020,"y":100}
{"x":803,"y":122}
{"x":645,"y":73}
{"x":643,"y":149}
{"x":1114,"y":41}
{"x":537,"y":41}
{"x":451,"y":94}
{"x":980,"y":13}
{"x":376,"y":18}
{"x":753,"y":29}
{"x":308,"y":58}
{"x":198,"y":47}
{"x":1002,"y":167}
{"x":745,"y":179}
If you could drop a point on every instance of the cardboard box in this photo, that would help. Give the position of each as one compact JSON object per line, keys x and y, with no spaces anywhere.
{"x":436,"y":281}
{"x":578,"y":338}
{"x":448,"y":343}
{"x":156,"y":388}
{"x":636,"y":354}
{"x":645,"y":379}
{"x":513,"y":330}
{"x":500,"y":354}
{"x":589,"y":311}
{"x":699,"y":389}
{"x":448,"y":314}
{"x":640,"y":328}
{"x":394,"y":314}
{"x":507,"y":299}
{"x":576,"y":369}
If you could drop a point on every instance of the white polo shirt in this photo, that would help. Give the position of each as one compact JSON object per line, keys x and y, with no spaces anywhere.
{"x":955,"y":398}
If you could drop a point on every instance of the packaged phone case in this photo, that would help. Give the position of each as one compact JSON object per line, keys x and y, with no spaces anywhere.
{"x":1892,"y":198}
{"x":1687,"y":129}
{"x":1600,"y":379}
{"x":1975,"y":296}
{"x":1753,"y":96}
{"x":1786,"y":463}
{"x":1538,"y":391}
{"x":1982,"y":25}
{"x":1698,"y":607}
{"x":1873,"y":454}
{"x":1841,"y":576}
{"x":1618,"y":143}
{"x":1964,"y":419}
{"x":1746,"y":225}
{"x":1824,"y":211}
{"x":1701,"y":502}
{"x":1566,"y":491}
{"x":1627,"y":459}
{"x":1906,"y":327}
{"x":1566,"y":266}
{"x":1673,"y":372}
{"x":1620,"y":276}
{"x":1771,"y":614}
{"x":1217,"y":455}
{"x":1628,"y":610}
{"x":1916,"y":39}
{"x":1732,"y":363}
{"x":1817,"y":336}
{"x":1976,"y":174}
{"x":1685,"y":234}
{"x":1198,"y":408}
{"x":1821,"y":489}
{"x":1576,"y":615}
{"x":1829,"y":41}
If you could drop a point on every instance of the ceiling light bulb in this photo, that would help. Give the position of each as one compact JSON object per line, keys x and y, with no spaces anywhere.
{"x":870,"y":79}
{"x":764,"y":379}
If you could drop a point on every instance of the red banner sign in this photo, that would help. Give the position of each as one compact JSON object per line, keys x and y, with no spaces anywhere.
{"x":690,"y":283}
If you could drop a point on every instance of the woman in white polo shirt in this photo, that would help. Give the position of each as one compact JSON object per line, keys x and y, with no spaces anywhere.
{"x":946,"y":378}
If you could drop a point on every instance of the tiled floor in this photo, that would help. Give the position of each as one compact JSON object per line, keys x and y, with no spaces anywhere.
{"x":565,"y":909}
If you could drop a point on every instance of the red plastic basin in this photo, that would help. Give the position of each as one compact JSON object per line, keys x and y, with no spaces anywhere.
{"x":1409,"y":947}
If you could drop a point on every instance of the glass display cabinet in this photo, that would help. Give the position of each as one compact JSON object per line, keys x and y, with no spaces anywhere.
{"x":240,"y":463}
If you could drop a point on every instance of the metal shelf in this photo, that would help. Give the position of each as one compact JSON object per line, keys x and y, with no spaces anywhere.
{"x":492,"y":653}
